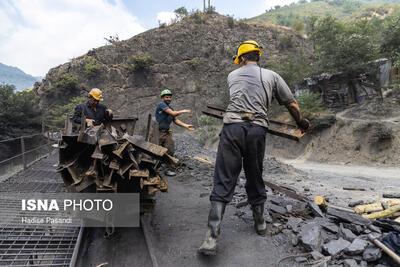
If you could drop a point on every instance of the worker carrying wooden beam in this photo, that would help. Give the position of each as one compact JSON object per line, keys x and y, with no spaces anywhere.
{"x":242,"y":139}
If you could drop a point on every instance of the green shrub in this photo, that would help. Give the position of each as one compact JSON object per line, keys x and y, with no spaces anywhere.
{"x":91,"y":68}
{"x":286,"y":42}
{"x":310,"y":105}
{"x":194,"y":62}
{"x":141,"y":63}
{"x":57,"y":115}
{"x":66,"y":81}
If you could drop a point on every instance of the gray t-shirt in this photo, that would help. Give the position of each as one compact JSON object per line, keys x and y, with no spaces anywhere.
{"x":247,"y":93}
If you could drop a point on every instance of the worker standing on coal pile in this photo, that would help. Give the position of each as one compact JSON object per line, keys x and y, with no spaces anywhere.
{"x":165,"y":114}
{"x":242,"y":139}
{"x":95,"y":112}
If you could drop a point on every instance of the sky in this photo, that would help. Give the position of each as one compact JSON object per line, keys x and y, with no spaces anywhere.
{"x":36,"y":35}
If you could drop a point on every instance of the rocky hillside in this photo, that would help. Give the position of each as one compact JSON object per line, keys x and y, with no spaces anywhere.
{"x":192,"y":58}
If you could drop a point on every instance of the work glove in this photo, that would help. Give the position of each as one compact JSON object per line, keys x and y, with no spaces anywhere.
{"x":304,"y":125}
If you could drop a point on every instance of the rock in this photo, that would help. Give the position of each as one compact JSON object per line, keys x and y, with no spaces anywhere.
{"x":336,"y":246}
{"x":277,"y":209}
{"x":306,"y":189}
{"x":317,"y":255}
{"x":300,"y":259}
{"x":363,"y":264}
{"x":375,"y":229}
{"x":348,"y":217}
{"x":241,"y":204}
{"x":356,"y":229}
{"x":357,"y":247}
{"x":372,"y":254}
{"x":203,"y":194}
{"x":350,"y":263}
{"x":355,"y":203}
{"x":170,"y":173}
{"x":328,"y":236}
{"x":346,"y":233}
{"x":293,"y":223}
{"x":289,"y":208}
{"x":333,"y":228}
{"x":295,"y":241}
{"x":311,"y":237}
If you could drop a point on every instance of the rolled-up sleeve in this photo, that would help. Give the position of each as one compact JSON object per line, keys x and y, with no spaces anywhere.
{"x":77,"y":114}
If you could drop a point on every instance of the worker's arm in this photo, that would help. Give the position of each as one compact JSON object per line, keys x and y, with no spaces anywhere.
{"x":77,"y":114}
{"x":109,"y":115}
{"x":294,"y":110}
{"x":184,"y":125}
{"x":174,"y":113}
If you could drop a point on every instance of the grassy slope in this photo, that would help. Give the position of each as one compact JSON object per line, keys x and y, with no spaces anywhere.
{"x":350,"y":9}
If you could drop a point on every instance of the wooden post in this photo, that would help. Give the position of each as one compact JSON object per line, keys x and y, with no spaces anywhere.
{"x":48,"y":142}
{"x":23,"y":152}
{"x":209,"y":6}
{"x":148,"y":128}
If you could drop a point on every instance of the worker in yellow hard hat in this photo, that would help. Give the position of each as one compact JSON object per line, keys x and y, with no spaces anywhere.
{"x":242,"y":139}
{"x":95,"y":112}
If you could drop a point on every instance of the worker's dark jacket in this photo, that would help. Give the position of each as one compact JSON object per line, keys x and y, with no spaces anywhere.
{"x":99,"y":116}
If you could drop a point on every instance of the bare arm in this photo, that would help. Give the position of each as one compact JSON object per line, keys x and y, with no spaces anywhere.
{"x":294,"y":110}
{"x":184,"y":125}
{"x":174,"y":113}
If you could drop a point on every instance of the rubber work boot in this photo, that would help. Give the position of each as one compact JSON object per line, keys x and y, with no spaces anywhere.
{"x":209,"y":246}
{"x":259,"y":222}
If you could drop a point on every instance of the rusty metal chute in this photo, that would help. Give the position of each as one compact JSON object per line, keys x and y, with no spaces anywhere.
{"x":110,"y":158}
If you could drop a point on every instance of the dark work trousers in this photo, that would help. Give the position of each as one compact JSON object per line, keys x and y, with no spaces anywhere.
{"x":240,"y":143}
{"x":165,"y":140}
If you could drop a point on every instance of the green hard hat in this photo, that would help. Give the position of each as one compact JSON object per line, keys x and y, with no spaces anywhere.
{"x":165,"y":92}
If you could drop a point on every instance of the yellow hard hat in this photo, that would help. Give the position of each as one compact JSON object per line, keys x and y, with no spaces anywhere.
{"x":246,"y":47}
{"x":96,"y":93}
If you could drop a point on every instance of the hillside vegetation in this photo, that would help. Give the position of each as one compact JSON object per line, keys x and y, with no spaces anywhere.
{"x":296,"y":15}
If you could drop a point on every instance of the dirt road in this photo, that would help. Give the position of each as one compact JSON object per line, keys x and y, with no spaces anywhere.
{"x":329,"y":180}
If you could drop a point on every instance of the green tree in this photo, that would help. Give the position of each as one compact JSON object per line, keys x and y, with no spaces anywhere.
{"x":19,"y":112}
{"x":57,"y":115}
{"x":298,"y":26}
{"x":391,"y":38}
{"x":181,"y":12}
{"x":343,"y":47}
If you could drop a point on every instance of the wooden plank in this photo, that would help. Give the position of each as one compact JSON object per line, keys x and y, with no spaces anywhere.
{"x":275,"y":127}
{"x":139,"y":173}
{"x":146,"y":147}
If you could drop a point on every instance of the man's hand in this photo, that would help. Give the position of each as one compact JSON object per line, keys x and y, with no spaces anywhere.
{"x":190,"y":127}
{"x":304,"y":125}
{"x":89,"y":122}
{"x":109,"y":111}
{"x":183,"y":111}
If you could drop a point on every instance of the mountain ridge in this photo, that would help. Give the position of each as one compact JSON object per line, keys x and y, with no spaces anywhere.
{"x":15,"y":76}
